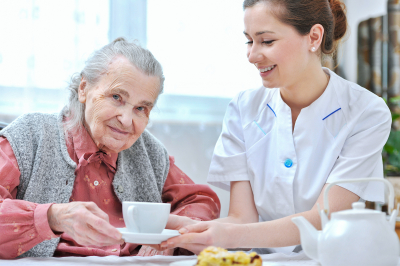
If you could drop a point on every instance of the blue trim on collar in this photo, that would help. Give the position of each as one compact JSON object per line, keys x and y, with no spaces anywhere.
{"x":260,"y":128}
{"x":271,"y":109}
{"x":331,"y":113}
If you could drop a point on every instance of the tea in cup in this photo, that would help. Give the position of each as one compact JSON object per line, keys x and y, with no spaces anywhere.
{"x":146,"y":217}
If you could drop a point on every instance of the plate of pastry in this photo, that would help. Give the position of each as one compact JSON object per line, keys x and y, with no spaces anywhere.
{"x":215,"y":256}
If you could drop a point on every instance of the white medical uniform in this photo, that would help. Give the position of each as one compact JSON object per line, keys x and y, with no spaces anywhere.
{"x":339,"y":136}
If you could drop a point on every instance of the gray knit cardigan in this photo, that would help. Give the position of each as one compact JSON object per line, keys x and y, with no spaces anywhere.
{"x":48,"y":173}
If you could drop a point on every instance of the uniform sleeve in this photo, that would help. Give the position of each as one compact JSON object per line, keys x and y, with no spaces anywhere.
{"x":361,"y":155}
{"x":23,"y":224}
{"x":196,"y":201}
{"x":229,"y":161}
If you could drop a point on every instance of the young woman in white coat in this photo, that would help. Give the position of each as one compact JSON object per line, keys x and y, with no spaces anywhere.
{"x":283,"y":143}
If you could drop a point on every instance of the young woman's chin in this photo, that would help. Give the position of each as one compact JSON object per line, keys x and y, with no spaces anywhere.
{"x":270,"y":84}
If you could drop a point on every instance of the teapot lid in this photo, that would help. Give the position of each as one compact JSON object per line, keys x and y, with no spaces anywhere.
{"x":358,"y":209}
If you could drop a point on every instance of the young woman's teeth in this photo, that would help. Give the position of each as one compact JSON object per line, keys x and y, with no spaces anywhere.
{"x":267,"y":69}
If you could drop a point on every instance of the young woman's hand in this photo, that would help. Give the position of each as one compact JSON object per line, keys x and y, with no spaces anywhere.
{"x":85,"y":222}
{"x":175,"y":222}
{"x":197,"y":237}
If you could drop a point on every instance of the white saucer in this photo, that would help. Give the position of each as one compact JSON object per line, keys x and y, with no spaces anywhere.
{"x":144,"y":238}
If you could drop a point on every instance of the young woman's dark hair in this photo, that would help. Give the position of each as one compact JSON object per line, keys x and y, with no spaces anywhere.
{"x":303,"y":14}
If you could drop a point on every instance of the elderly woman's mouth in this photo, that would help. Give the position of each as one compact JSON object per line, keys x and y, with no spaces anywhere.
{"x":118,"y":131}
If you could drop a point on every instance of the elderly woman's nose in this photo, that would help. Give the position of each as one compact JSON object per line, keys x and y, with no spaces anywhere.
{"x":126,"y":118}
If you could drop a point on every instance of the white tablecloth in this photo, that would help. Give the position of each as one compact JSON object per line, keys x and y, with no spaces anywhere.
{"x":276,"y":259}
{"x":272,"y":259}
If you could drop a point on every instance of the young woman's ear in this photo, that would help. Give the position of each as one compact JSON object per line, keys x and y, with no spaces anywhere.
{"x":315,"y":37}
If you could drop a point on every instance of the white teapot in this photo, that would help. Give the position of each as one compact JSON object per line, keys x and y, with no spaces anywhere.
{"x":357,"y":237}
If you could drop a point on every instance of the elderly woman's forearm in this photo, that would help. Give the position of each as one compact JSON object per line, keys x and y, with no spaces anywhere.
{"x":198,"y":205}
{"x":204,"y":211}
{"x":196,"y":201}
{"x":23,"y":225}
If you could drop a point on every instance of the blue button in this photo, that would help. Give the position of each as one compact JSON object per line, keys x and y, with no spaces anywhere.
{"x":288,"y":163}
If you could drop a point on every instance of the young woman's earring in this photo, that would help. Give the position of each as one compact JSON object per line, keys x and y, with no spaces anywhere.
{"x":313,"y":49}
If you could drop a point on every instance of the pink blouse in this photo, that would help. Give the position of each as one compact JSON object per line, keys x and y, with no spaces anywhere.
{"x":24,"y":224}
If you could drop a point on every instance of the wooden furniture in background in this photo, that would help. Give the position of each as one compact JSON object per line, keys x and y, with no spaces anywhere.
{"x":398,"y":229}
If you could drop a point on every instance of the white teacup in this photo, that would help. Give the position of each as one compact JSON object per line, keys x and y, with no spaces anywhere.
{"x":145,"y":217}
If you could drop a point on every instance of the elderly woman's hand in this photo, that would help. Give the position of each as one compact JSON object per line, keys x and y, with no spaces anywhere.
{"x":85,"y":222}
{"x":147,"y":251}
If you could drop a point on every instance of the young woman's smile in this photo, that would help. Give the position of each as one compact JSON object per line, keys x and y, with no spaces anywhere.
{"x":276,"y":49}
{"x":266,"y":71}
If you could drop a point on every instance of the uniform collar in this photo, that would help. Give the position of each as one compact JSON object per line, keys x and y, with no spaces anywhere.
{"x":327,"y":104}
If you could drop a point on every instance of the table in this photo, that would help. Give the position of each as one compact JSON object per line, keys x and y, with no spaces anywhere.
{"x":276,"y":259}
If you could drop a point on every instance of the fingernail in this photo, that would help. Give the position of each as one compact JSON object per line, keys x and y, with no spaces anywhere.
{"x":183,"y":231}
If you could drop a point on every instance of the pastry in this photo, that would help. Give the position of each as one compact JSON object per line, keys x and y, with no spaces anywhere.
{"x":215,"y":256}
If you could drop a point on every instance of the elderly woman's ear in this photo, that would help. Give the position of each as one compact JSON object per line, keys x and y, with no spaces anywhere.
{"x":82,"y":90}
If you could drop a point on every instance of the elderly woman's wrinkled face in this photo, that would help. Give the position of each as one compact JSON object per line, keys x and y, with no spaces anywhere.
{"x":118,"y":106}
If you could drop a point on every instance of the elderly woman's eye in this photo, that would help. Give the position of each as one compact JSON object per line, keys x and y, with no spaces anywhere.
{"x":116,"y":97}
{"x":141,"y":109}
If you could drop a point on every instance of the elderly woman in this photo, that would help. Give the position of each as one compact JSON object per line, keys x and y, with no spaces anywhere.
{"x":63,"y":176}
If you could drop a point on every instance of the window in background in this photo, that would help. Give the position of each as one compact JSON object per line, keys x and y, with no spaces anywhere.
{"x":201,"y":46}
{"x":203,"y":52}
{"x":43,"y":44}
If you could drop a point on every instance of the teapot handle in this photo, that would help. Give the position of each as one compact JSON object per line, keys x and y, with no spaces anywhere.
{"x":388,"y":184}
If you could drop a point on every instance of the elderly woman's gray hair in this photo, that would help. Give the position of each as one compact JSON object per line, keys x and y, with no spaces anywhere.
{"x":97,"y":65}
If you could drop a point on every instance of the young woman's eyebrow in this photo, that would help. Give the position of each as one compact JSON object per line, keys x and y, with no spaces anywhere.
{"x":259,"y":32}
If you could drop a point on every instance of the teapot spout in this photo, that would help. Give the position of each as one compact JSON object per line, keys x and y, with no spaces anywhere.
{"x":309,"y":237}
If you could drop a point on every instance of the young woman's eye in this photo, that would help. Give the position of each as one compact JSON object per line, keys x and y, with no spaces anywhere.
{"x":249,"y":42}
{"x":268,"y":42}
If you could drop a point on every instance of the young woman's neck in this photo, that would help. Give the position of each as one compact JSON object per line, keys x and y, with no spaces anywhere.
{"x":307,"y":89}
